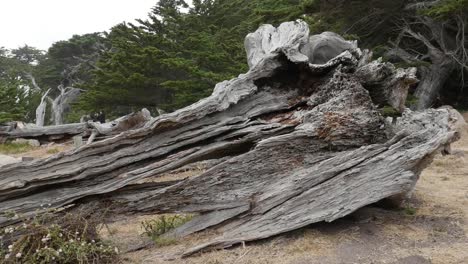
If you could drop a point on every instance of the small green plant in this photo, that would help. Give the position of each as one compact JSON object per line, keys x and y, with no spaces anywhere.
{"x":164,"y":241}
{"x":156,"y":228}
{"x":9,"y":214}
{"x":70,"y":238}
{"x":389,"y":111}
{"x":15,"y":148}
{"x":411,"y":100}
{"x":409,"y":210}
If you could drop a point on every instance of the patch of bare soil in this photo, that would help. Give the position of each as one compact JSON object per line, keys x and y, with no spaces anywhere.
{"x":431,"y":228}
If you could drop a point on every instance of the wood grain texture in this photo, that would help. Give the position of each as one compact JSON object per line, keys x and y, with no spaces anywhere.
{"x":61,"y":132}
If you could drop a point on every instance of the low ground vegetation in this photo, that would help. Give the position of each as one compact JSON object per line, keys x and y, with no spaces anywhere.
{"x":15,"y":148}
{"x":70,"y":238}
{"x":156,"y":228}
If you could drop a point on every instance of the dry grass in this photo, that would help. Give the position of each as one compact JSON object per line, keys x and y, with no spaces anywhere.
{"x":25,"y":150}
{"x":44,"y":151}
{"x":15,"y":148}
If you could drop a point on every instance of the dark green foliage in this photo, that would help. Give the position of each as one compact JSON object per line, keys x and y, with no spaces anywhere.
{"x":178,"y":55}
{"x":411,"y":100}
{"x":447,"y":8}
{"x":12,"y":105}
{"x":388,"y":111}
{"x":16,"y":100}
{"x":176,"y":58}
{"x":69,"y":62}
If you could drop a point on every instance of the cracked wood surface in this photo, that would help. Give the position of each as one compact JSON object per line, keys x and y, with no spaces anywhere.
{"x":60,"y":132}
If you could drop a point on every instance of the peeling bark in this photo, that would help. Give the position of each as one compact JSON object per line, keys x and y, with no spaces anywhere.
{"x":298,"y":143}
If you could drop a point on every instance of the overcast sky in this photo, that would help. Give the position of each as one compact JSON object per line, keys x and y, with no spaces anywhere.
{"x":39,"y":23}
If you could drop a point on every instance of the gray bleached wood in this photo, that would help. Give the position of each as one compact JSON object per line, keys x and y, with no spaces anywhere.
{"x":325,"y":46}
{"x":62,"y":102}
{"x":386,"y":84}
{"x":61,"y":132}
{"x":41,"y":110}
{"x":302,"y":143}
{"x":4,"y":160}
{"x":40,"y":132}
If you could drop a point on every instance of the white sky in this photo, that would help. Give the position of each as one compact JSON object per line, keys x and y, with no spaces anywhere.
{"x":39,"y":23}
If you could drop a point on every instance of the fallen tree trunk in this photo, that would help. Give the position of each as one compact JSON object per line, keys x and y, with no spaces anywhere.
{"x":299,"y":143}
{"x":63,"y":132}
{"x":46,"y":133}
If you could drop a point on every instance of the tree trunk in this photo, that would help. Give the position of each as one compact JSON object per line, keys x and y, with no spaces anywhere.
{"x":433,"y":80}
{"x":296,"y":143}
{"x":62,"y":103}
{"x":41,"y":110}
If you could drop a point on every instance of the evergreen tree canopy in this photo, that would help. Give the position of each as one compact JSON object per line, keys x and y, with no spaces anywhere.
{"x":176,"y":57}
{"x":17,"y":100}
{"x":179,"y":54}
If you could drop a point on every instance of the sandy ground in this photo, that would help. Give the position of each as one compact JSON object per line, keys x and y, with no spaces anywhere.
{"x":34,"y":153}
{"x":432,"y":228}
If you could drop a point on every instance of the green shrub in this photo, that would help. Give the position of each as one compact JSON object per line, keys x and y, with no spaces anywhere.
{"x":155,"y":228}
{"x":411,"y":100}
{"x":70,"y":238}
{"x":409,"y":210}
{"x":388,"y":111}
{"x":447,"y":8}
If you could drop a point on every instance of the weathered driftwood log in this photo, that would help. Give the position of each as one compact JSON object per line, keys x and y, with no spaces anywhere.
{"x":7,"y":127}
{"x":302,"y":143}
{"x":61,"y":132}
{"x":46,"y":133}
